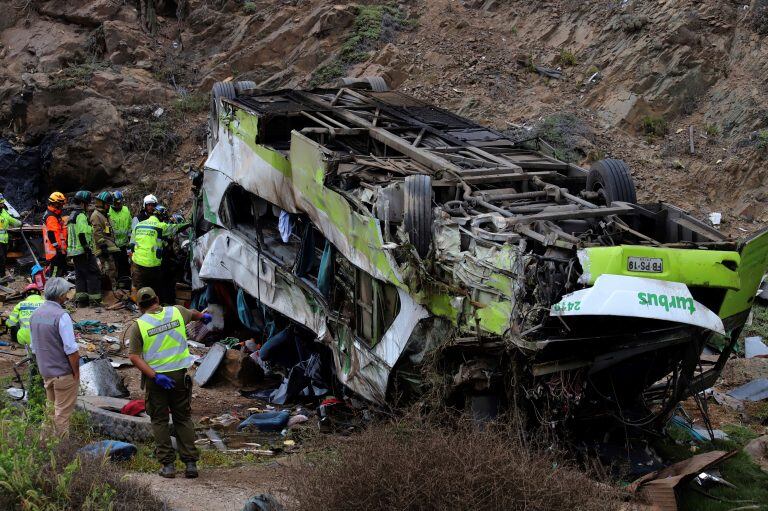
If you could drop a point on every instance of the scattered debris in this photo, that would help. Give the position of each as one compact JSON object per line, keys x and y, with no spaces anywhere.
{"x":210,"y":364}
{"x":116,"y":450}
{"x":755,"y":347}
{"x":99,"y":378}
{"x":715,"y":218}
{"x":727,"y":401}
{"x":756,"y":390}
{"x":135,"y":408}
{"x":266,"y":421}
{"x":263,"y":502}
{"x":216,"y":440}
{"x":712,"y":478}
{"x":93,"y":326}
{"x":659,"y":487}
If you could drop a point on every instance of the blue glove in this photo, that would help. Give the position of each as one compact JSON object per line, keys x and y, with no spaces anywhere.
{"x":207,"y":318}
{"x":164,"y":381}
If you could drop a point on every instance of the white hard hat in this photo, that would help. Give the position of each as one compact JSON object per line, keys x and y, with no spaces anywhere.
{"x":150,"y":199}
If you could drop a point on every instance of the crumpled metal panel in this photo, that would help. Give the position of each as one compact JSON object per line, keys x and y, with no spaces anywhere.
{"x":99,"y":378}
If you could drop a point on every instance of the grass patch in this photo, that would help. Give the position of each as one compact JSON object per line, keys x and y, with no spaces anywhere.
{"x":759,"y":325}
{"x":373,"y":24}
{"x":711,"y":130}
{"x":653,"y":126}
{"x":145,"y":461}
{"x":76,"y":75}
{"x":193,"y":103}
{"x":40,"y":473}
{"x":412,"y":465}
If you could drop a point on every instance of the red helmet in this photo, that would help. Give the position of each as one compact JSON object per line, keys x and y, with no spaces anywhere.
{"x":32,"y":287}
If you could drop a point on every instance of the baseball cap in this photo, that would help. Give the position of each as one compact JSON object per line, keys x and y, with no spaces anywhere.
{"x":145,"y":295}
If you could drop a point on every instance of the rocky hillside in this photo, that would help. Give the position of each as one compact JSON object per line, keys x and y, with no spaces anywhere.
{"x":113,"y":92}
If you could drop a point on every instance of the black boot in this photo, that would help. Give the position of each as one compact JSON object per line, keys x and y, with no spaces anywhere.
{"x":191,"y":471}
{"x":168,"y":471}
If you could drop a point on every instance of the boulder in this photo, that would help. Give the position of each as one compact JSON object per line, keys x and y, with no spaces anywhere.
{"x":88,"y":147}
{"x":117,"y":32}
{"x":89,"y":13}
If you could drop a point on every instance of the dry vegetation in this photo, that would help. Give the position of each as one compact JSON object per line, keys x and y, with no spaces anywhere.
{"x":417,"y":465}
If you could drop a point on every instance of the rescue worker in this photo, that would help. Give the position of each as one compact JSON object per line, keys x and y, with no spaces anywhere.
{"x":158,"y":348}
{"x":6,"y":221}
{"x":58,"y":360}
{"x":18,"y":321}
{"x":150,"y":203}
{"x":55,"y":236}
{"x":147,"y":252}
{"x":103,"y":238}
{"x":120,"y":218}
{"x":81,"y":250}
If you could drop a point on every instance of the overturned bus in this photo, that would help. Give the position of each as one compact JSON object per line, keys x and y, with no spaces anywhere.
{"x":419,"y":248}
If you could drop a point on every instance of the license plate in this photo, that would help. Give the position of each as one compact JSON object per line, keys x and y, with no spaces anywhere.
{"x":645,"y":264}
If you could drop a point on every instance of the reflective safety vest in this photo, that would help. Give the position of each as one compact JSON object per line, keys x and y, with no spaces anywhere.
{"x":20,"y":316}
{"x":53,"y":222}
{"x":6,"y":221}
{"x":165,"y":340}
{"x":121,"y":225}
{"x":79,"y":224}
{"x":148,"y":242}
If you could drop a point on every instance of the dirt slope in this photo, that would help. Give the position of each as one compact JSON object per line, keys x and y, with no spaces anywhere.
{"x":91,"y":77}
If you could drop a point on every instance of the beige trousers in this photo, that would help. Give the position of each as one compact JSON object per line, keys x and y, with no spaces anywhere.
{"x":62,"y":392}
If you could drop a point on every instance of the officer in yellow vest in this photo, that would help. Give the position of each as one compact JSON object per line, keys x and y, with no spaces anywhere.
{"x":120,"y":217}
{"x":18,"y":321}
{"x":158,"y":348}
{"x":6,"y":221}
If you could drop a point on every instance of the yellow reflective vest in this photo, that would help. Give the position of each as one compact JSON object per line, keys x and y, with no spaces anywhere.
{"x":6,"y":221}
{"x":164,"y":335}
{"x":147,"y":239}
{"x":20,"y":316}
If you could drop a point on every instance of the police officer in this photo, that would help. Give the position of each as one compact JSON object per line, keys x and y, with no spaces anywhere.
{"x":6,"y":221}
{"x":55,"y":236}
{"x":120,"y":218}
{"x":80,"y":248}
{"x":158,"y":348}
{"x":104,"y":238}
{"x":18,"y":321}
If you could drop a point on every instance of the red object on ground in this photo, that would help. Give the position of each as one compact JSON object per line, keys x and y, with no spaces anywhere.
{"x":134,"y":407}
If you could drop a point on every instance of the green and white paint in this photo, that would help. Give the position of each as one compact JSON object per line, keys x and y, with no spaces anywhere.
{"x":638,"y":297}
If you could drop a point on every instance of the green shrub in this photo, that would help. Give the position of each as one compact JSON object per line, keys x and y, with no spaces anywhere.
{"x":762,"y":139}
{"x":373,"y":24}
{"x":40,"y":473}
{"x":653,"y":126}
{"x":567,"y":58}
{"x":76,"y":75}
{"x":250,"y":7}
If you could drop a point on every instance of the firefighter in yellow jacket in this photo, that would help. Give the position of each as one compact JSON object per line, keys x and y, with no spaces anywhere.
{"x":6,"y":221}
{"x":18,"y":321}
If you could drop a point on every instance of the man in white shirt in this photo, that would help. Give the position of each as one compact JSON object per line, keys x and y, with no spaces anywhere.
{"x":54,"y":345}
